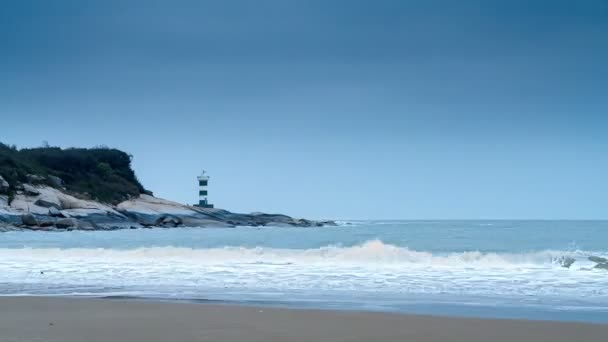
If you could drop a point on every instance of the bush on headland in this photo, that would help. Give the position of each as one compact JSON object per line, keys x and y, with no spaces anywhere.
{"x":100,"y":173}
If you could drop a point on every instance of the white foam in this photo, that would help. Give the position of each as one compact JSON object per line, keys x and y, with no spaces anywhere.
{"x":373,"y":252}
{"x":372,"y":267}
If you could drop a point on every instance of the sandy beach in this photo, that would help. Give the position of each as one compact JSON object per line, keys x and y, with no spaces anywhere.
{"x":78,"y":320}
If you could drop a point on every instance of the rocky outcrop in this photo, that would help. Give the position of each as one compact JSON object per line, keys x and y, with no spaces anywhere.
{"x":45,"y":207}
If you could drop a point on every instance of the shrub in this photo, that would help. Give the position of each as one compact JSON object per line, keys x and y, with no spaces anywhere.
{"x":104,"y":174}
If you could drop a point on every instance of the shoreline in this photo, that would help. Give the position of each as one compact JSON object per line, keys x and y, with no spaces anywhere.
{"x":79,"y":319}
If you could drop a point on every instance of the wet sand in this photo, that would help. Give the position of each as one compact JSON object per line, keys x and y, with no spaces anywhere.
{"x":88,"y":320}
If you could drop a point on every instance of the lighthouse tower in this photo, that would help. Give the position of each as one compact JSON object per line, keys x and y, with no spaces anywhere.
{"x":203,"y":182}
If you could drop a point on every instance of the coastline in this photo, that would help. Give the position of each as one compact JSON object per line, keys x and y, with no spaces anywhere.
{"x":76,"y":319}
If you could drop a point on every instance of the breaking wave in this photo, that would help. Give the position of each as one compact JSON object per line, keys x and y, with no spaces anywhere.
{"x":371,"y":253}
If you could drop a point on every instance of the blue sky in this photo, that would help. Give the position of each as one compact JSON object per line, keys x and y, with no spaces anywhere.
{"x":326,"y":109}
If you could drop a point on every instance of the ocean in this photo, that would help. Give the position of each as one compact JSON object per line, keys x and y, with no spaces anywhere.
{"x":498,"y":269}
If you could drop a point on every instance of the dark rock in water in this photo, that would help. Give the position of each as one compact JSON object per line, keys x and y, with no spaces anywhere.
{"x":66,"y":223}
{"x":566,"y":261}
{"x":602,"y":263}
{"x":603,"y":266}
{"x":331,"y":223}
{"x":598,"y":259}
{"x":29,"y":220}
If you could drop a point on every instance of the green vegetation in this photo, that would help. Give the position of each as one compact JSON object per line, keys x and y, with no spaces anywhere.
{"x":99,"y":173}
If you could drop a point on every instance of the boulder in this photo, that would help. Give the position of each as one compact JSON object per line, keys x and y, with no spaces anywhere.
{"x":278,"y":224}
{"x":25,"y":204}
{"x":86,"y":225}
{"x":29,"y":190}
{"x":29,"y":220}
{"x":168,"y":221}
{"x":48,"y":202}
{"x":566,"y":261}
{"x":4,"y":186}
{"x":54,"y":212}
{"x":6,"y":228}
{"x":46,"y":222}
{"x":602,"y":266}
{"x":203,"y":223}
{"x":304,"y":223}
{"x":598,"y":259}
{"x":3,"y":201}
{"x":35,"y":178}
{"x":55,"y":181}
{"x":64,"y":223}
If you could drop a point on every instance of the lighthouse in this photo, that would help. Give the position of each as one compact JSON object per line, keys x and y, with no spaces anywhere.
{"x":203,"y":182}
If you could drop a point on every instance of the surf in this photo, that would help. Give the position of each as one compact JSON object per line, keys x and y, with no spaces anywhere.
{"x":370,"y":253}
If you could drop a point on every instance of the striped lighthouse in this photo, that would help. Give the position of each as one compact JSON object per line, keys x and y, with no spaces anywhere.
{"x":203,"y":182}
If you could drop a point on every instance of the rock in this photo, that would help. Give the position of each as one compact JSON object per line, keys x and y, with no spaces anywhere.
{"x":304,"y":223}
{"x":278,"y":224}
{"x":44,"y":206}
{"x":566,"y":261}
{"x":204,"y":223}
{"x":598,"y":259}
{"x":30,"y":190}
{"x":168,"y":221}
{"x":46,"y":223}
{"x":66,"y":223}
{"x":48,"y":202}
{"x":29,"y":220}
{"x":4,"y":186}
{"x":602,"y":263}
{"x":35,"y":178}
{"x":55,"y":181}
{"x":5,"y":228}
{"x":602,"y":266}
{"x":329,"y":224}
{"x":86,"y":225}
{"x":25,"y":204}
{"x":54,"y":212}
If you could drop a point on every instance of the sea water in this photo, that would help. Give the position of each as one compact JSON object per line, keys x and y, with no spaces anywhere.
{"x":511,"y":269}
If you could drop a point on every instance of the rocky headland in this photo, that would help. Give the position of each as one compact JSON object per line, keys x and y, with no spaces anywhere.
{"x":95,"y":189}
